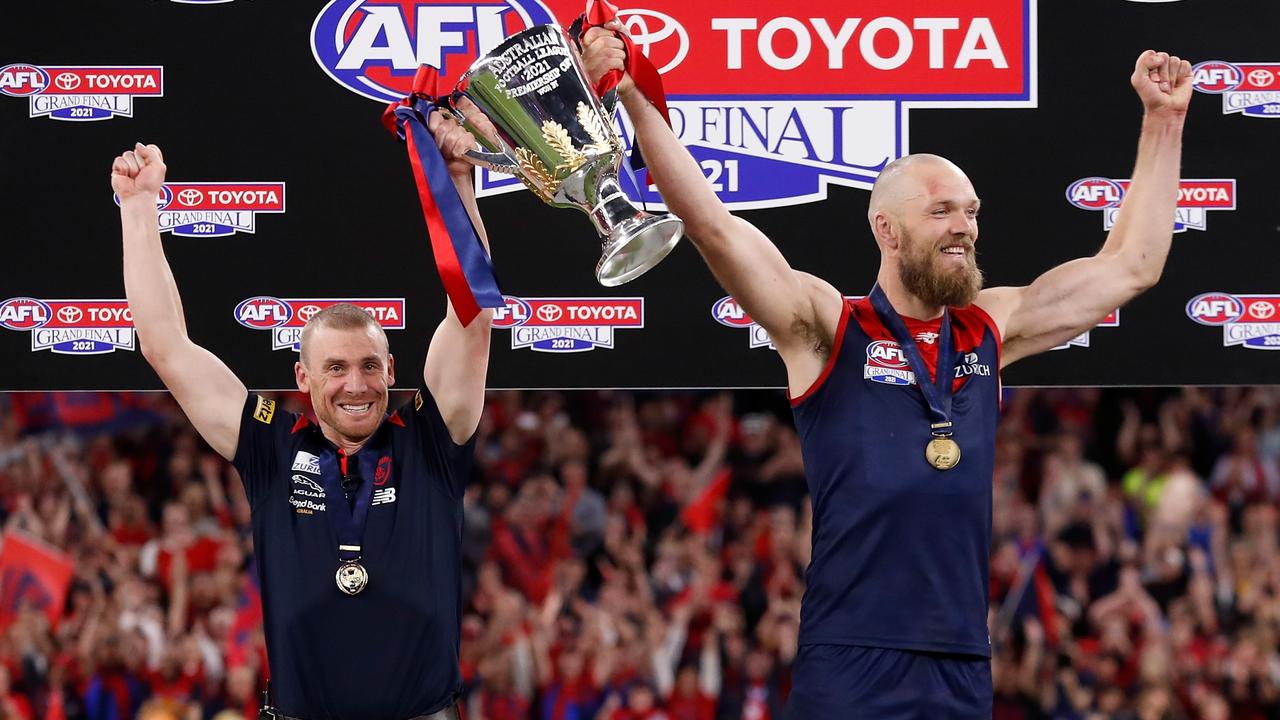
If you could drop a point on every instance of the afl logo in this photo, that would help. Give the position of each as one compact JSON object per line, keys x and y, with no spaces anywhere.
{"x":374,"y":48}
{"x":516,"y":313}
{"x":1215,"y":309}
{"x":20,"y":80}
{"x":263,"y":313}
{"x":886,"y":353}
{"x":24,"y":313}
{"x":728,"y":312}
{"x":1095,"y":193}
{"x":1216,"y":77}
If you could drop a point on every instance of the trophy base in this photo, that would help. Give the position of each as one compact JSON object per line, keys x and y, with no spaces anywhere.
{"x":640,"y":244}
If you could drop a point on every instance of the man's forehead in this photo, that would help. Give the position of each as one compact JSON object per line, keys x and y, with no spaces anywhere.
{"x":360,"y":341}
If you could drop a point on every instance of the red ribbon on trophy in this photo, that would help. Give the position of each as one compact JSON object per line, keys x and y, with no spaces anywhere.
{"x":465,"y":269}
{"x":639,"y":67}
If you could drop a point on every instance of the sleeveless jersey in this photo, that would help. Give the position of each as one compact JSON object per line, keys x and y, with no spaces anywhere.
{"x":900,"y":549}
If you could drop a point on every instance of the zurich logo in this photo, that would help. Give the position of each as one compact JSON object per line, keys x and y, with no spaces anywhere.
{"x":374,"y":47}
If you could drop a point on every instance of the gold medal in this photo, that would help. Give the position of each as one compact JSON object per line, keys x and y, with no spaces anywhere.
{"x":942,"y":452}
{"x":351,"y":577}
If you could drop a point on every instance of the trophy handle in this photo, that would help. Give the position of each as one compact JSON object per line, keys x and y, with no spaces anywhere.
{"x":487,"y":153}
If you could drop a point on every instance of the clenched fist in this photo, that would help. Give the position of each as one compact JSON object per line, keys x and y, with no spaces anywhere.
{"x":1163,"y":81}
{"x":603,"y":51}
{"x":138,"y":172}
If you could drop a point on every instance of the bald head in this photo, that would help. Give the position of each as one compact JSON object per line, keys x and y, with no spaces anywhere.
{"x":905,"y":179}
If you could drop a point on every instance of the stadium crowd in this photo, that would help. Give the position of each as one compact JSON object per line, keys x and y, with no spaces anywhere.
{"x":641,"y":556}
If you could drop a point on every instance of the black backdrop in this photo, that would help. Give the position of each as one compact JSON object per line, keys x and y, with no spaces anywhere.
{"x":245,"y":100}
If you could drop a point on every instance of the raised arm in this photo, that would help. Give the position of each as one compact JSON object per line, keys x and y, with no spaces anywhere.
{"x":210,"y":395}
{"x":799,"y":311}
{"x":458,"y":358}
{"x":1075,"y":296}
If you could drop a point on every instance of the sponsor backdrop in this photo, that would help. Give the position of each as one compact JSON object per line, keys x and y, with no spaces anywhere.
{"x":286,"y":194}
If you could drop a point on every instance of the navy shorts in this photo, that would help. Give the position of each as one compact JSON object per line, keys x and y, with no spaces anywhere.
{"x":848,"y":681}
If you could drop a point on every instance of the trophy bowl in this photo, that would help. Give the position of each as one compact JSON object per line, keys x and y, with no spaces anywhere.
{"x":555,"y":136}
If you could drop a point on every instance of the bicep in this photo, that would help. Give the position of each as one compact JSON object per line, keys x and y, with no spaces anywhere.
{"x":1059,"y":305}
{"x":208,"y":392}
{"x":752,"y":269}
{"x":455,"y":371}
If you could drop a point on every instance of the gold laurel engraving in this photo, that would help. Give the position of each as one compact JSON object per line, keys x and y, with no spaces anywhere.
{"x":535,"y":175}
{"x":603,"y":139}
{"x":558,"y":138}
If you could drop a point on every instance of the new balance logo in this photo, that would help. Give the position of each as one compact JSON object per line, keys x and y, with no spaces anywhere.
{"x":382,"y":496}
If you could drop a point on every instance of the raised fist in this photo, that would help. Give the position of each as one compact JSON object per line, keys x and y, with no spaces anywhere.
{"x":1163,"y":81}
{"x":138,"y":172}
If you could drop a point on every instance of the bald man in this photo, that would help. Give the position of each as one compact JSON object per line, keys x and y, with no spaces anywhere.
{"x":896,"y":397}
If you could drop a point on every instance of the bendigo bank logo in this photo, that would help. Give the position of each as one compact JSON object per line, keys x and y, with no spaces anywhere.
{"x":774,"y":108}
{"x":566,"y":325}
{"x":80,"y":93}
{"x":1195,"y":199}
{"x":1249,"y":320}
{"x":71,"y":327}
{"x":286,"y":317}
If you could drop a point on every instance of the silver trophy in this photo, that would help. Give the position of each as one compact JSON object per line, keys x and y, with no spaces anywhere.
{"x":556,"y":136}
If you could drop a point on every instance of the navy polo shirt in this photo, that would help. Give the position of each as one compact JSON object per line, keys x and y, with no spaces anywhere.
{"x":392,"y":651}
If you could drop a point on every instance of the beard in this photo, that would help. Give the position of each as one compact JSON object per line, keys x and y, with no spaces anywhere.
{"x":920,"y":274}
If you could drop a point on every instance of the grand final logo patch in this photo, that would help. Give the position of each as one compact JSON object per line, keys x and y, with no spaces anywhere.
{"x":774,"y":108}
{"x":1249,"y":89}
{"x":1251,"y":321}
{"x":285,"y":317}
{"x":81,"y":92}
{"x":1195,"y":199}
{"x":215,"y":209}
{"x":567,"y":325}
{"x":71,"y":327}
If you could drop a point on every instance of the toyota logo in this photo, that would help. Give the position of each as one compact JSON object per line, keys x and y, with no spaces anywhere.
{"x":549,"y":313}
{"x":306,"y":312}
{"x":1262,"y":309}
{"x":67,"y":81}
{"x":1261,"y":77}
{"x":70,"y":315}
{"x":190,"y":197}
{"x":650,"y":27}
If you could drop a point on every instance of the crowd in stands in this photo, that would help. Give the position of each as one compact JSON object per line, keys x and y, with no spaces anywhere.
{"x":641,"y":556}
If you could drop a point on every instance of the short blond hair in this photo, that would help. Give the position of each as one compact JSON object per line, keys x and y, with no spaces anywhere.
{"x":341,"y":316}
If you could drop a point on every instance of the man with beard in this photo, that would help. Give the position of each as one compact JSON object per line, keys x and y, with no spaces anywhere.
{"x":357,"y":518}
{"x":896,"y":397}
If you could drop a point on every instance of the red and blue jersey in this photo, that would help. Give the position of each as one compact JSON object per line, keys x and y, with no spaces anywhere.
{"x":900,"y":549}
{"x":392,"y":650}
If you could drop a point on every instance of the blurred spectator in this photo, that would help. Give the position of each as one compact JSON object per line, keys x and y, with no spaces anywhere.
{"x":641,"y":557}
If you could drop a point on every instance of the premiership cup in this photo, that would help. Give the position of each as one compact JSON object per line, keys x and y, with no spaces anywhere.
{"x":555,"y":135}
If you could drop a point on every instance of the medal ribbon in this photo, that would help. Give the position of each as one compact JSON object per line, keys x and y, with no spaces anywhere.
{"x":347,"y":521}
{"x":465,"y":269}
{"x":937,"y":393}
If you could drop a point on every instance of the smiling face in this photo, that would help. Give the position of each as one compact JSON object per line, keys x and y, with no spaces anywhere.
{"x":347,"y":370}
{"x":925,"y":213}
